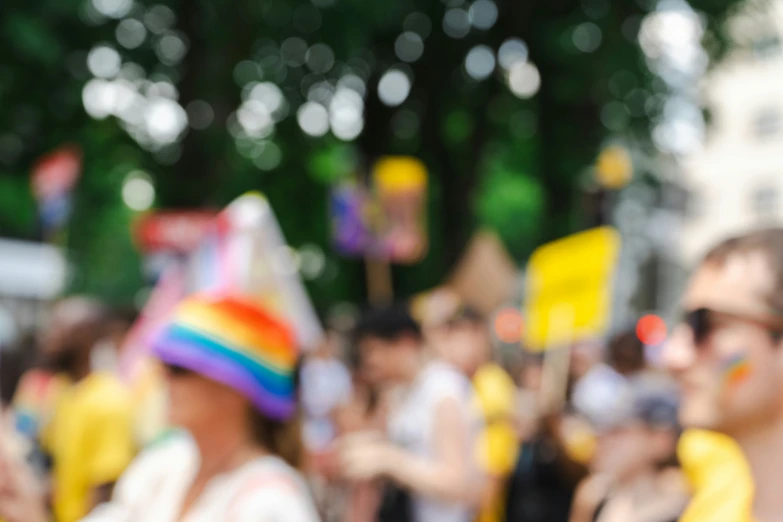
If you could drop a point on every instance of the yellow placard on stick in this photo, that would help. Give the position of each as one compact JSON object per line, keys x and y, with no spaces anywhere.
{"x":570,"y":278}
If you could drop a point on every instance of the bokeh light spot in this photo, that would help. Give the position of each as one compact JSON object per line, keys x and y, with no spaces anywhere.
{"x":353,"y":82}
{"x":312,"y":261}
{"x":268,"y":156}
{"x":320,"y":58}
{"x":113,"y":8}
{"x":512,"y":52}
{"x":159,"y":19}
{"x":313,"y":119}
{"x":587,"y":37}
{"x":483,"y":14}
{"x":171,"y":49}
{"x":409,"y":47}
{"x":651,"y":330}
{"x":509,"y":325}
{"x":346,"y":116}
{"x":130,"y":33}
{"x":255,"y":118}
{"x":103,"y":61}
{"x":165,"y":120}
{"x":418,"y":23}
{"x":293,"y":50}
{"x":524,"y":80}
{"x":394,"y":87}
{"x":138,"y":193}
{"x":480,"y":62}
{"x":456,"y":23}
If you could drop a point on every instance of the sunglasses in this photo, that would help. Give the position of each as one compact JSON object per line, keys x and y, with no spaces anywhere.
{"x":172,"y":370}
{"x":703,"y":322}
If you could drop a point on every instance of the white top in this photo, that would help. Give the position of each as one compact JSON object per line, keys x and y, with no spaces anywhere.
{"x":411,"y":426}
{"x":597,"y":390}
{"x":154,"y":486}
{"x":326,"y":384}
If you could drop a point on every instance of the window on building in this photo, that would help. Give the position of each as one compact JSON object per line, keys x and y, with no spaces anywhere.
{"x":767,"y":123}
{"x":764,"y":201}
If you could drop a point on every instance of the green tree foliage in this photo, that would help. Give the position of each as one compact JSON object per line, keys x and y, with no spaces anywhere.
{"x":501,"y":150}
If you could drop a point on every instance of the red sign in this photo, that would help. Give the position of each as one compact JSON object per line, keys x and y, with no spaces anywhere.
{"x":173,"y":231}
{"x":56,"y":173}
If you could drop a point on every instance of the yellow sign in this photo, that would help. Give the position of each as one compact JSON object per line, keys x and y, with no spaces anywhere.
{"x":614,"y":168}
{"x":400,"y":174}
{"x":400,"y":183}
{"x":569,"y":288}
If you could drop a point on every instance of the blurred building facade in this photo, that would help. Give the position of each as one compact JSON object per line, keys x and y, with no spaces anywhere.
{"x":735,"y":182}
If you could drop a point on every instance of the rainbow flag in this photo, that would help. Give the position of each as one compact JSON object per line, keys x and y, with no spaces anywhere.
{"x":35,"y":400}
{"x":736,"y":369}
{"x":242,"y":253}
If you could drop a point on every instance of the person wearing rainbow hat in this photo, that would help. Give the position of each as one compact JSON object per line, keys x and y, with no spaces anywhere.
{"x":231,"y":371}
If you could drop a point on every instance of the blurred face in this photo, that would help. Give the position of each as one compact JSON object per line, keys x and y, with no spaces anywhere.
{"x":531,"y":376}
{"x":195,"y":402}
{"x":462,"y":343}
{"x":584,"y":355}
{"x":384,"y":361}
{"x":630,"y":449}
{"x":724,"y":355}
{"x":71,"y":331}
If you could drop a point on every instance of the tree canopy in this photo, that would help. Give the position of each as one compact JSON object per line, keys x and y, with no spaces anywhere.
{"x":507,"y":102}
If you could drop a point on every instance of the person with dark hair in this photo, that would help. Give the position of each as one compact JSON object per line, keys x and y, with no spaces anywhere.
{"x":429,"y":454}
{"x":460,"y":335}
{"x":326,"y":384}
{"x":326,"y":388}
{"x":727,"y":353}
{"x":11,"y":370}
{"x":12,"y":362}
{"x":634,"y":478}
{"x":231,"y":372}
{"x":626,"y":354}
{"x":80,"y":418}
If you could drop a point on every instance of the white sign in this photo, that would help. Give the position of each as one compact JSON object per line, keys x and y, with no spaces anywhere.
{"x":31,"y":270}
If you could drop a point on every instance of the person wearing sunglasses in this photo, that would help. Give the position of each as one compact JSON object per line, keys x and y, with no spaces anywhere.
{"x":727,"y":356}
{"x":231,"y":371}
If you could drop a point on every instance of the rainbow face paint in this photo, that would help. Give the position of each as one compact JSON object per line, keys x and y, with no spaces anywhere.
{"x":736,"y":369}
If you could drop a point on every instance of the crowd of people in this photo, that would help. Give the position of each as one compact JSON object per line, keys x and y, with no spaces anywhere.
{"x":411,"y":415}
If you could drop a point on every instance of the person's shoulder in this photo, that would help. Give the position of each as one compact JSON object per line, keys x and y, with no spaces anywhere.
{"x":272,"y":473}
{"x":442,"y":381}
{"x":171,"y":445}
{"x":103,"y":386}
{"x":151,"y":467}
{"x":492,"y":375}
{"x":711,"y":458}
{"x":104,"y":393}
{"x":270,"y":486}
{"x":37,"y":383}
{"x":438,"y":374}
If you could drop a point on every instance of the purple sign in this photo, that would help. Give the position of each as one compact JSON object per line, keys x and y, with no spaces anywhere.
{"x":347,"y":207}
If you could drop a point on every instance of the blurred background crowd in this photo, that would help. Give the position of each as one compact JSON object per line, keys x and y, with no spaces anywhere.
{"x":438,"y":249}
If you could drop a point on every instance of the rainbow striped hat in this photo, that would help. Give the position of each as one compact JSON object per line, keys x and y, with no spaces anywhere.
{"x":235,"y":341}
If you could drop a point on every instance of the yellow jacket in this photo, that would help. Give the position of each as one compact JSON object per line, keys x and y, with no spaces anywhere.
{"x":721,"y":479}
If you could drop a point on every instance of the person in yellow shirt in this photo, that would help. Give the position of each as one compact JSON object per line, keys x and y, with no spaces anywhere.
{"x":719,"y":476}
{"x":498,"y":446}
{"x":727,"y":353}
{"x":90,"y":435}
{"x":462,"y":338}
